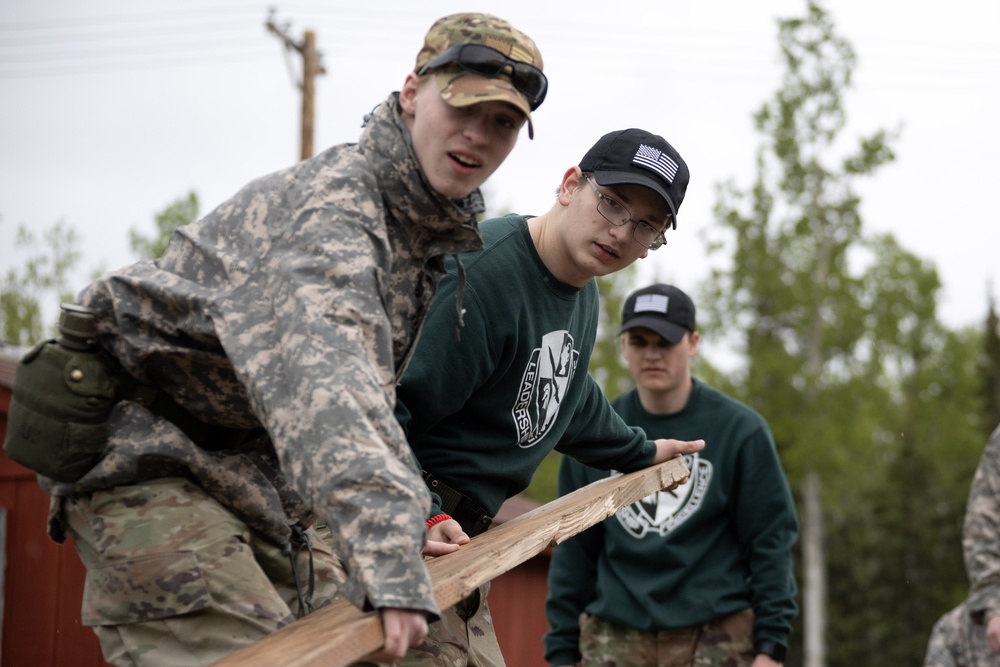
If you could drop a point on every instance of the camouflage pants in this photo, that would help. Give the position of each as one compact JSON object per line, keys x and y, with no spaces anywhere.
{"x":958,"y":642}
{"x":175,"y":579}
{"x":454,"y":641}
{"x":727,"y":642}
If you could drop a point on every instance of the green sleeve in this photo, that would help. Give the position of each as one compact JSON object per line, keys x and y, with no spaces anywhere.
{"x":767,"y":528}
{"x":443,"y":372}
{"x":600,"y":438}
{"x":441,"y":375}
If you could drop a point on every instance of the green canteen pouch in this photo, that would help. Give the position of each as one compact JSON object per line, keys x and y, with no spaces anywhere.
{"x":58,"y":419}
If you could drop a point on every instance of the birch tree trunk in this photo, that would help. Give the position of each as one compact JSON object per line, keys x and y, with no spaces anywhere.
{"x":814,"y":568}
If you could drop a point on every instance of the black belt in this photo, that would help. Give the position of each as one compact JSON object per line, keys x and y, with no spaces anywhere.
{"x":473,"y":518}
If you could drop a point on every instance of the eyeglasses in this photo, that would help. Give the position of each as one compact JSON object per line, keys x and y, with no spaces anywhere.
{"x":487,"y":61}
{"x":615,"y":212}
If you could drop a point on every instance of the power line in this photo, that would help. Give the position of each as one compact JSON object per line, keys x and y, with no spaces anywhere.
{"x":80,"y":21}
{"x":139,"y":51}
{"x":121,"y":66}
{"x":115,"y":34}
{"x":361,"y":32}
{"x":150,"y":45}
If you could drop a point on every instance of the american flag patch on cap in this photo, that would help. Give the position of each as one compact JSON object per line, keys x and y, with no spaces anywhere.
{"x":654,"y":302}
{"x":657,"y":161}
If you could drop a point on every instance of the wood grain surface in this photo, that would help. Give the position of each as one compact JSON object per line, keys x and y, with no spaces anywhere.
{"x":339,"y":634}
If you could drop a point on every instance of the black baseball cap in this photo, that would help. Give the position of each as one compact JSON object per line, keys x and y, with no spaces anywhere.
{"x":660,"y":308}
{"x":640,"y":158}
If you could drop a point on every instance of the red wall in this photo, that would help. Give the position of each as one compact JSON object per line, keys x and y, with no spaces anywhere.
{"x":43,"y":581}
{"x":517,"y":603}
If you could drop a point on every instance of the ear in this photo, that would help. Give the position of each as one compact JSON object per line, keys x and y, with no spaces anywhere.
{"x":693,"y":346}
{"x":408,"y":95}
{"x":623,"y":341}
{"x":571,"y":182}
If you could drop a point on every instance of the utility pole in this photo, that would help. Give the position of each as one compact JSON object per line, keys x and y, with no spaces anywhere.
{"x":311,"y":67}
{"x":814,"y":565}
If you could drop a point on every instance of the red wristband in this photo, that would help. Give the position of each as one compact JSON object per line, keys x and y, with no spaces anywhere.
{"x":438,"y":518}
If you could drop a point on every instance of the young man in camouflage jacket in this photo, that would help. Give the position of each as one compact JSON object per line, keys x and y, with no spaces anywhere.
{"x":264,"y":348}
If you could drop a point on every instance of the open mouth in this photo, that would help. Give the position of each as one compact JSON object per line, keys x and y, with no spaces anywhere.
{"x":464,"y":161}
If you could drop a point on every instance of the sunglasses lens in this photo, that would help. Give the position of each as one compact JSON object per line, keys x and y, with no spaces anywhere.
{"x":489,"y":62}
{"x":481,"y":59}
{"x":530,"y":81}
{"x":486,"y":61}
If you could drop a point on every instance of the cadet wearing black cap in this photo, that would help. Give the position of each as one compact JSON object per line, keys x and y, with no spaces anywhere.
{"x":663,"y":309}
{"x":638,"y":157}
{"x":482,"y":412}
{"x":699,"y":576}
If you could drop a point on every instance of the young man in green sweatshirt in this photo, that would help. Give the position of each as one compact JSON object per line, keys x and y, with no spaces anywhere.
{"x":698,"y":576}
{"x":482,"y":412}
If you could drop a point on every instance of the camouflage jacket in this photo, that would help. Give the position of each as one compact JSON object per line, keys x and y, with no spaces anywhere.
{"x":291,"y":310}
{"x":981,"y":534}
{"x":954,"y":642}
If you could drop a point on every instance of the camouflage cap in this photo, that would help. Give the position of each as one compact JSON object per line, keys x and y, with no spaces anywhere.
{"x":460,"y":88}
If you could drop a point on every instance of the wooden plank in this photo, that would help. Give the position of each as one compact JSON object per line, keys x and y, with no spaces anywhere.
{"x":340,"y":634}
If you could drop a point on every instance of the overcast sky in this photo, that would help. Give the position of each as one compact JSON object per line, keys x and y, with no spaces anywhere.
{"x":112,"y":109}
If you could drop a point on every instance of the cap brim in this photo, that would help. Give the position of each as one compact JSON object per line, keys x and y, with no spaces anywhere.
{"x":672,"y":333}
{"x":462,"y":89}
{"x":635,"y":178}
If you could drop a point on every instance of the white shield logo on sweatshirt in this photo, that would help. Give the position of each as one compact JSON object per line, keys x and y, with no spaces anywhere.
{"x":544,"y":384}
{"x":661,"y":512}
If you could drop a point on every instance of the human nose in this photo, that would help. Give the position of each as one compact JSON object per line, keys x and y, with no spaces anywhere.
{"x":623,"y":232}
{"x":476,"y":129}
{"x":654,"y":351}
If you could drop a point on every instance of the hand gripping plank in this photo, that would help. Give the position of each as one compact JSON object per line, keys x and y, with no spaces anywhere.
{"x":339,"y":634}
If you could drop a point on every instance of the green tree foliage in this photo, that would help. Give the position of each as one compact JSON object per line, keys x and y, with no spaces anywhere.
{"x":846,"y":359}
{"x":811,"y":326}
{"x":991,"y":370}
{"x":895,"y":544}
{"x":42,"y":277}
{"x":606,"y":364}
{"x":182,"y":211}
{"x":31,"y":292}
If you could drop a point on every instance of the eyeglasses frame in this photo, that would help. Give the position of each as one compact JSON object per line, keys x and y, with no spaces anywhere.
{"x":660,"y":236}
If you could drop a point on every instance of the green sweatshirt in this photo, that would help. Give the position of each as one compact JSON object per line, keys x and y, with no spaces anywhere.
{"x":714,"y":546}
{"x":481,"y":413}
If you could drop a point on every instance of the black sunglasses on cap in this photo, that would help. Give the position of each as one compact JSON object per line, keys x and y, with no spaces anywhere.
{"x":487,"y":61}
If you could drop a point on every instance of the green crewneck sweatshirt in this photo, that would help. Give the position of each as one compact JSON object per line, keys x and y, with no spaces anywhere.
{"x":481,"y":413}
{"x":714,"y":546}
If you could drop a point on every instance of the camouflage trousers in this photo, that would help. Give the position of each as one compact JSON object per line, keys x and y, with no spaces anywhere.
{"x":175,"y":579}
{"x":463,"y":637}
{"x":727,"y":642}
{"x":958,"y":642}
